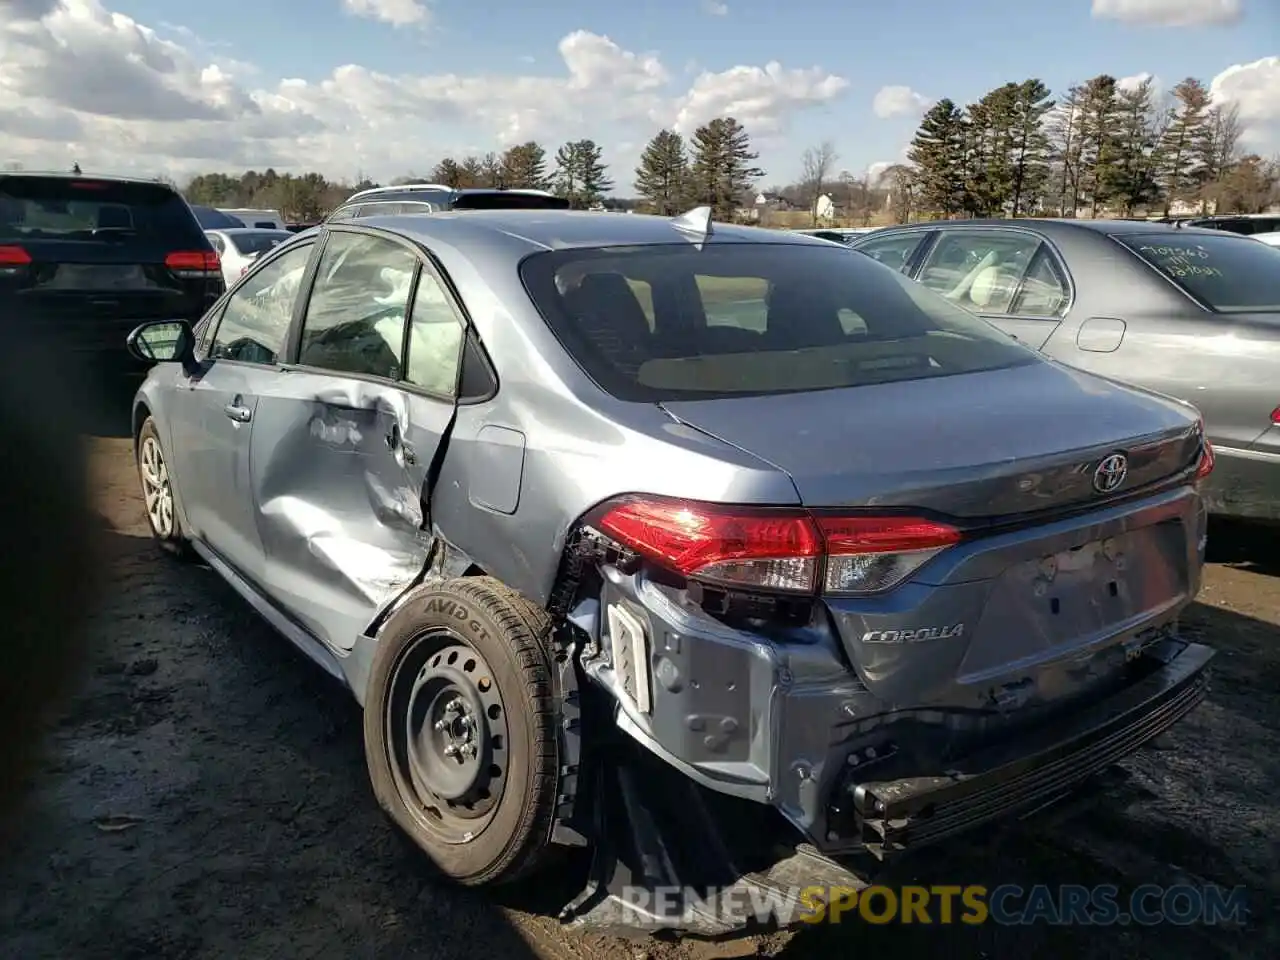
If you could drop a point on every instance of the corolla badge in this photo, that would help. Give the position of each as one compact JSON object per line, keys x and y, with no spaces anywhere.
{"x":913,"y":636}
{"x":1110,"y":473}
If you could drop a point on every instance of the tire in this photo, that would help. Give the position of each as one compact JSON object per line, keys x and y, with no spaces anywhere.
{"x":166,"y":526}
{"x":509,"y":745}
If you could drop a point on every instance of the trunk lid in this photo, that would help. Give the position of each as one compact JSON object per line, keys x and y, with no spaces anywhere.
{"x":1064,"y":584}
{"x":1002,"y":443}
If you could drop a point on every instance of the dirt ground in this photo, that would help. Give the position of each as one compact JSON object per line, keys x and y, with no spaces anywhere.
{"x":205,"y":796}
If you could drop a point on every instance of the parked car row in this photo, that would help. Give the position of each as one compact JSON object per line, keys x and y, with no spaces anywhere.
{"x":578,"y":505}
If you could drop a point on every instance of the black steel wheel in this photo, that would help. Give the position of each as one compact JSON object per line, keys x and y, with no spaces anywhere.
{"x":460,"y":731}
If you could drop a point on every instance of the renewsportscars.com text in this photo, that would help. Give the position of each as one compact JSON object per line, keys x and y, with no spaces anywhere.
{"x":971,"y":905}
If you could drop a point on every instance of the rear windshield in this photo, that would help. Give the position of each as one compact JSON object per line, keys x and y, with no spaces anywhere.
{"x":505,"y":200}
{"x":251,"y":243}
{"x":1227,"y":273}
{"x":63,"y":208}
{"x":670,"y":322}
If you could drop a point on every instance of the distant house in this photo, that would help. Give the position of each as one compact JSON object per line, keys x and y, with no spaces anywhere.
{"x":824,"y":208}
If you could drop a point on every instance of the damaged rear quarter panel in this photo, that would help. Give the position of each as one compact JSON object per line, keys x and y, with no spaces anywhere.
{"x":581,"y":445}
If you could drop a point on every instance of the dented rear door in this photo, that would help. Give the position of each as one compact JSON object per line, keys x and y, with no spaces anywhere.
{"x":343,"y":445}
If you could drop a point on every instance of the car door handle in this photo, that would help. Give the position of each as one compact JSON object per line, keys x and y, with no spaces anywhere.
{"x":237,"y":413}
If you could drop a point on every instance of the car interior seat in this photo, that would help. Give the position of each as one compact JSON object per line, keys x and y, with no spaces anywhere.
{"x":611,"y":318}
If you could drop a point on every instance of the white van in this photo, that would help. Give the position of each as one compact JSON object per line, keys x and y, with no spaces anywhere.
{"x":260,"y":219}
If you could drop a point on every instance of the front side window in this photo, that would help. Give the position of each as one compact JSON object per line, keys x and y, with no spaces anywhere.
{"x":1226,"y":272}
{"x":752,"y":318}
{"x":979,"y":269}
{"x":355,"y":318}
{"x":255,"y":320}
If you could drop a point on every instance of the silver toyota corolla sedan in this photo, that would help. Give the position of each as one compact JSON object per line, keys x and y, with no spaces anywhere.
{"x":657,"y":534}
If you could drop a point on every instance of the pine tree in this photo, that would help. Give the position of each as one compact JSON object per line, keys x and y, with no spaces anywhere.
{"x":663,"y":173}
{"x":1029,"y":146}
{"x":1129,"y":181}
{"x":1097,"y":139}
{"x":938,"y":154}
{"x":1181,"y":170}
{"x":580,"y":175}
{"x":989,"y":136}
{"x":524,"y":166}
{"x":723,"y":167}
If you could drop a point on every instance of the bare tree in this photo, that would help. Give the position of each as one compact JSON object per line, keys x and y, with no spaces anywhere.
{"x":902,"y":180}
{"x":815,"y":170}
{"x":1221,"y":149}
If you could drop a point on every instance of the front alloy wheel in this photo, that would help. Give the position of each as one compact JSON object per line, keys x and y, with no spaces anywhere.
{"x":157,"y":493}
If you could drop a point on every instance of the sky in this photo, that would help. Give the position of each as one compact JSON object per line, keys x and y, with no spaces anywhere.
{"x":384,"y":88}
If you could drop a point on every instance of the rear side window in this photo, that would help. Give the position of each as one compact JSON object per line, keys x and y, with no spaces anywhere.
{"x":1225,"y":272}
{"x":105,"y":211}
{"x":739,"y":319}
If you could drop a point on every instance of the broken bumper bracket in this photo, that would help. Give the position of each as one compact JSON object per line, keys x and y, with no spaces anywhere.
{"x":1037,"y":768}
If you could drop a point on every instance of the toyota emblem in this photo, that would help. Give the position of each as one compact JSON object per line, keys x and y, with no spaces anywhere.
{"x":1110,"y":473}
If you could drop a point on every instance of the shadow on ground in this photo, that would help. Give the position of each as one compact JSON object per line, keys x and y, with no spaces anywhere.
{"x":205,"y":795}
{"x":1245,"y":546}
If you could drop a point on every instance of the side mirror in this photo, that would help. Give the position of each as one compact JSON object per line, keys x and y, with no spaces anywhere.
{"x":163,"y":341}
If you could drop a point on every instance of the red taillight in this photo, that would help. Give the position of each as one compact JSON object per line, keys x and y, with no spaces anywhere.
{"x":192,"y":262}
{"x":869,"y":554}
{"x":14,"y":257}
{"x":1204,"y":466}
{"x":1275,"y":415}
{"x":776,"y":549}
{"x":88,"y":185}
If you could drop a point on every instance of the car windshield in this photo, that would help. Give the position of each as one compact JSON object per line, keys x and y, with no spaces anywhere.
{"x":66,"y":208}
{"x":258,"y":241}
{"x":671,"y":322}
{"x":1227,"y":273}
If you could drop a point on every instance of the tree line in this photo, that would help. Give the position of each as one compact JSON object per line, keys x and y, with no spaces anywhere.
{"x":1103,"y":148}
{"x":715,"y":167}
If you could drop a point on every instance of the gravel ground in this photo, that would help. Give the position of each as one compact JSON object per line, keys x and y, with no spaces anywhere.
{"x":205,"y":796}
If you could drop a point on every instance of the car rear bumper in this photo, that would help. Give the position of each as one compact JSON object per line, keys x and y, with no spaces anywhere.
{"x":1244,"y":484}
{"x":1037,"y":767}
{"x":792,"y":720}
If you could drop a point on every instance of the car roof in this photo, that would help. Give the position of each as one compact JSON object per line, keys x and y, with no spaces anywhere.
{"x":534,"y":230}
{"x":1064,"y":226}
{"x":67,"y":175}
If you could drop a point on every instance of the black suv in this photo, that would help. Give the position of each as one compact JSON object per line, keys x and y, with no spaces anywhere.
{"x":436,"y":198}
{"x":84,"y":260}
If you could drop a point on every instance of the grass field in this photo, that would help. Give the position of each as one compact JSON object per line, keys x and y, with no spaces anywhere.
{"x":715,"y":291}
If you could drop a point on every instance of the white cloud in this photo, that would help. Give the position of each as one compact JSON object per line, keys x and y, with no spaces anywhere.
{"x":398,"y":13}
{"x":760,"y":98}
{"x":1254,"y":88}
{"x":899,"y":101}
{"x":78,"y":81}
{"x":1169,"y":13}
{"x":715,"y":8}
{"x":1128,"y":84}
{"x":877,"y":170}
